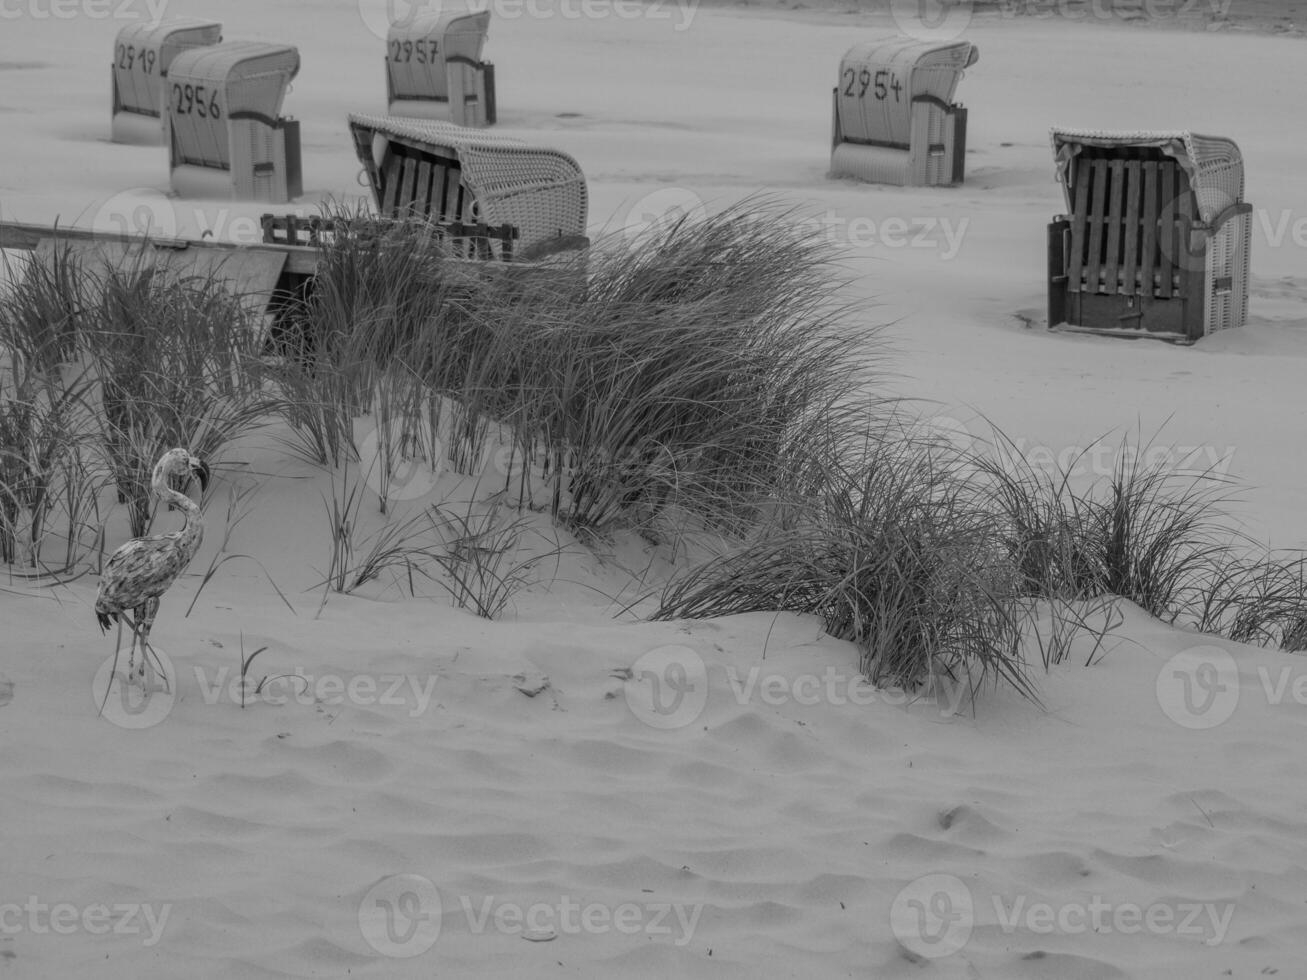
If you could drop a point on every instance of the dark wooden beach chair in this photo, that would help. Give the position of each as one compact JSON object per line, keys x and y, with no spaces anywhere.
{"x":1156,"y":238}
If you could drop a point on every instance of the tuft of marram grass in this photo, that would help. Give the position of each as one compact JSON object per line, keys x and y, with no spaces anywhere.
{"x":896,"y":554}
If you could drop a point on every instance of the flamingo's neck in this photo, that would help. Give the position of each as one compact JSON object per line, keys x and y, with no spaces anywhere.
{"x":193,"y":527}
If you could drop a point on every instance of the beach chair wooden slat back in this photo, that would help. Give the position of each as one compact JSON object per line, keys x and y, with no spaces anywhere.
{"x":471,"y":178}
{"x":1156,"y":235}
{"x":1131,"y":280}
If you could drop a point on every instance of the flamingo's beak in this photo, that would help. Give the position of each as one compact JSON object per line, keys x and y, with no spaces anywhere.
{"x":201,"y":471}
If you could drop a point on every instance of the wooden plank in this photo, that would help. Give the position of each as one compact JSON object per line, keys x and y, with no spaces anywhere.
{"x":1079,"y":215}
{"x":406,"y":187}
{"x":1190,"y":268}
{"x":1097,"y":214}
{"x":1166,"y":229}
{"x":422,"y":194}
{"x":453,"y":206}
{"x":390,"y":182}
{"x":439,"y":190}
{"x":1115,"y":196}
{"x":1132,"y":278}
{"x":1149,"y":219}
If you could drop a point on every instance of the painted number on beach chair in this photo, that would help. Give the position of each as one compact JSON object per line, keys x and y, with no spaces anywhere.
{"x":198,"y":99}
{"x":421,"y":51}
{"x":885,"y":82}
{"x":127,"y":59}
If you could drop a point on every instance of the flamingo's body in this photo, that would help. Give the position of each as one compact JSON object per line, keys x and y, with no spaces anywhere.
{"x":142,"y":569}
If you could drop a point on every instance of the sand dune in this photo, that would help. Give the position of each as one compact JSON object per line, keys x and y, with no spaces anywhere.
{"x":438,"y":795}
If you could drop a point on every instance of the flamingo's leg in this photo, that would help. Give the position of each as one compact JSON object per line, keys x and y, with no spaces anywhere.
{"x":149,"y":609}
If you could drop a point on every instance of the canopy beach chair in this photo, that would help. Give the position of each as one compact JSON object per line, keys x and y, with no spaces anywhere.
{"x":894,"y":117}
{"x":141,"y":56}
{"x":226,"y":136}
{"x":434,"y":68}
{"x":1156,"y":237}
{"x":446,"y":174}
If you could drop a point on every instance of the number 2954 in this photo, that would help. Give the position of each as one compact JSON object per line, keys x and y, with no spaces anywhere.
{"x":881,"y":84}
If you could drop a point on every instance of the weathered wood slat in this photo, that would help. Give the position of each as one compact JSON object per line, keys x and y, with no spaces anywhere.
{"x":1094,"y":260}
{"x":1115,"y":195}
{"x":1131,"y":280}
{"x":1079,"y":216}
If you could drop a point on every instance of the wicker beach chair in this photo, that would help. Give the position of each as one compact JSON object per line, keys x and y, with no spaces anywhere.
{"x":894,"y":117}
{"x":226,"y":137}
{"x":1156,"y":238}
{"x":447,"y":174}
{"x":141,"y":56}
{"x":434,"y":68}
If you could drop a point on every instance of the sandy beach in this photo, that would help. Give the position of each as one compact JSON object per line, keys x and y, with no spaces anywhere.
{"x":416,"y":791}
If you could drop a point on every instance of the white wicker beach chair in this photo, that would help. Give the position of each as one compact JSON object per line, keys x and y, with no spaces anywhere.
{"x":141,"y":56}
{"x":434,"y":68}
{"x":449,"y":174}
{"x":1156,"y":238}
{"x":226,"y":137}
{"x":894,"y":117}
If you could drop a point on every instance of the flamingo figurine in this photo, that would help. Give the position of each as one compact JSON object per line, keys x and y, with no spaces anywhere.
{"x":142,"y":569}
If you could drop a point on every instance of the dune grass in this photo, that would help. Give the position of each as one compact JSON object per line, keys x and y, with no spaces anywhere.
{"x":700,"y":382}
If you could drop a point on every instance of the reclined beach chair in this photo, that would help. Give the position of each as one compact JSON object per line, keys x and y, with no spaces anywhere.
{"x":226,"y":136}
{"x":894,"y":117}
{"x":1156,"y":238}
{"x":434,"y":68}
{"x":142,"y":54}
{"x":527,"y":200}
